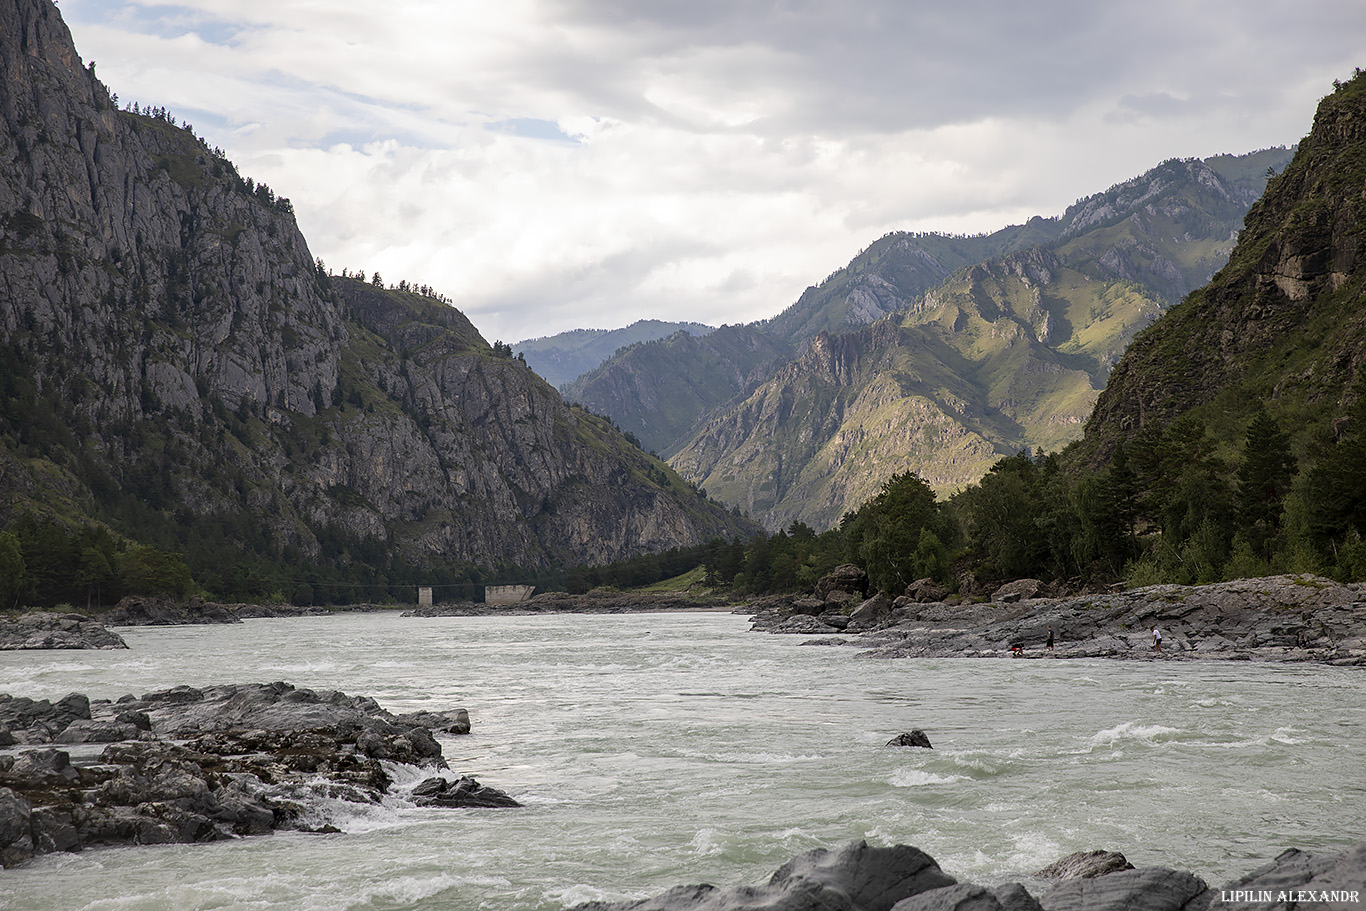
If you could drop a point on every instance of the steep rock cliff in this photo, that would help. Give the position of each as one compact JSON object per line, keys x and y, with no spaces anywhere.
{"x":177,"y":364}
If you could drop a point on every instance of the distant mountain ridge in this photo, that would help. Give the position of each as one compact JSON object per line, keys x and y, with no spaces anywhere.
{"x":566,"y":356}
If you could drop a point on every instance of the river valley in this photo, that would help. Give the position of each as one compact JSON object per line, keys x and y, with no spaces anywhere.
{"x":655,"y":749}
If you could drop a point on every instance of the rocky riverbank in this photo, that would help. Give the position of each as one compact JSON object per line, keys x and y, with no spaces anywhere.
{"x":1278,"y":618}
{"x":44,"y":630}
{"x":857,"y":877}
{"x":197,"y":765}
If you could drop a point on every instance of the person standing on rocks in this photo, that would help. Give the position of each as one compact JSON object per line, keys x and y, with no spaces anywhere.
{"x":1050,"y":638}
{"x":1157,"y":639}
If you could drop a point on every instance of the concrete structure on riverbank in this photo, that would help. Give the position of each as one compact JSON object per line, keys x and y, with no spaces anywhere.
{"x":507,"y":594}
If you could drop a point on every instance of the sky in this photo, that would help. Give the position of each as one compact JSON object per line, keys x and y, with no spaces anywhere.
{"x":560,"y":164}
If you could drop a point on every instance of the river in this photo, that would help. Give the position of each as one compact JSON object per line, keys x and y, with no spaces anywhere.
{"x":657,"y":749}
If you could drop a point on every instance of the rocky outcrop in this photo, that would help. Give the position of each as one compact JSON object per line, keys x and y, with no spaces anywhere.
{"x":857,"y":877}
{"x":1277,"y":618}
{"x":166,"y":312}
{"x":40,"y":630}
{"x":194,"y":765}
{"x":132,"y":611}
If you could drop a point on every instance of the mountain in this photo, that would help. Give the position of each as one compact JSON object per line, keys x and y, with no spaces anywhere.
{"x":657,"y":390}
{"x":1282,"y":326}
{"x":1006,"y":353}
{"x":179,"y":367}
{"x":565,"y":357}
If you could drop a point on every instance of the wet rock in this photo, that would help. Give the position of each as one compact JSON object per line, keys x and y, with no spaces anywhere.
{"x":1085,"y":865}
{"x":44,"y":630}
{"x":914,"y":738}
{"x":253,"y":758}
{"x":456,"y":721}
{"x":465,"y":792}
{"x":970,"y":897}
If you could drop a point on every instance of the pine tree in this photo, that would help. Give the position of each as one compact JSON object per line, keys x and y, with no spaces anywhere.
{"x":1263,"y":480}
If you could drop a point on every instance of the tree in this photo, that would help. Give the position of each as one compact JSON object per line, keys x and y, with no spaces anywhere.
{"x":1263,"y":480}
{"x":12,"y":574}
{"x":884,"y":534}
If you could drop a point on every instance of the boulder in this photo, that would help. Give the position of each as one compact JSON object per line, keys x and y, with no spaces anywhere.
{"x":1085,"y":865}
{"x":855,"y":877}
{"x":925,"y":591}
{"x":914,"y":738}
{"x":1019,"y":590}
{"x":970,"y":897}
{"x":843,"y":583}
{"x":872,"y":611}
{"x":455,"y":721}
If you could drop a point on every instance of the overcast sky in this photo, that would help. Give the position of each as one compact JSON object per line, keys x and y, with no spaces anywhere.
{"x":556,"y":164}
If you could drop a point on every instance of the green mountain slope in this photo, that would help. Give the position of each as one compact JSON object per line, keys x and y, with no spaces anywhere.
{"x":1018,"y":347}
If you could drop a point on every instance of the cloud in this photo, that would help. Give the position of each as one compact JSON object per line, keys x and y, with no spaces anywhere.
{"x":553,"y":164}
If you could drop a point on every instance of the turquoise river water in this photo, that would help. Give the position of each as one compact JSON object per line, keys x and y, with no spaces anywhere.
{"x":657,"y":749}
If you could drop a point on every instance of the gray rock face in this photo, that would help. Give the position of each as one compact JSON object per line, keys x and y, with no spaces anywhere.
{"x":43,"y":630}
{"x":248,"y":759}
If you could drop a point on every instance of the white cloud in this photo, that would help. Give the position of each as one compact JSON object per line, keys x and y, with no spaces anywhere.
{"x":551,"y":164}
